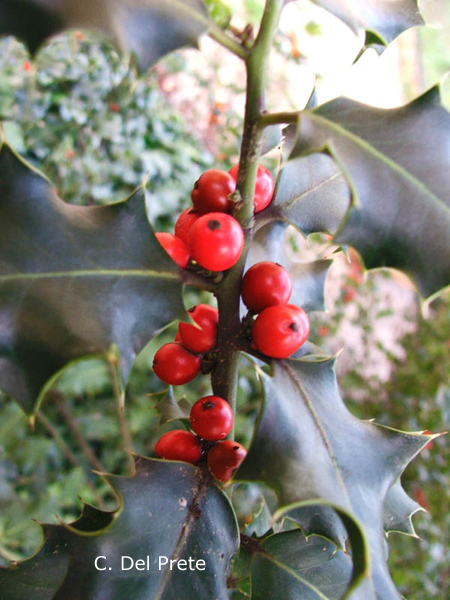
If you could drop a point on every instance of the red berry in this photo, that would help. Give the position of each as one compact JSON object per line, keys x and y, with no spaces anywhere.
{"x":175,"y":248}
{"x":211,"y":191}
{"x":216,"y":241}
{"x":178,"y":337}
{"x":264,"y":187}
{"x":280,"y":330}
{"x":203,"y":339}
{"x":224,"y":458}
{"x":265,"y":284}
{"x":211,"y":418}
{"x":179,"y":444}
{"x":184,"y":224}
{"x":114,"y":107}
{"x":175,"y":364}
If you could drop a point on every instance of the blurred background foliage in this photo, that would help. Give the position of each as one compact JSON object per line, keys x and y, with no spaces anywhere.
{"x":80,"y":114}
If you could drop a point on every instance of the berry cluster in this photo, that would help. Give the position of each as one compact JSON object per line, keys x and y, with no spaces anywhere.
{"x":178,"y":362}
{"x":211,"y":420}
{"x":280,"y":328}
{"x":208,"y":234}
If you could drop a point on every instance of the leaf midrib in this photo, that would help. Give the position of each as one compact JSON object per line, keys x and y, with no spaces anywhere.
{"x":89,"y":273}
{"x":295,"y":575}
{"x":322,"y":432}
{"x":367,"y":147}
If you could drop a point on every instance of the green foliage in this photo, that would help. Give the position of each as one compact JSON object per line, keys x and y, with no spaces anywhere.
{"x":320,"y":487}
{"x":80,"y":114}
{"x":378,"y":168}
{"x":148,"y":30}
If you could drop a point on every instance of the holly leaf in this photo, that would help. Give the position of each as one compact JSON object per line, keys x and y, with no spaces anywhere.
{"x":385,"y":19}
{"x":312,"y":193}
{"x":74,"y":281}
{"x":148,"y":29}
{"x":399,"y":509}
{"x":398,"y":164}
{"x":308,"y":279}
{"x":289,"y":565}
{"x":308,"y":446}
{"x":170,"y":409}
{"x":168,"y":509}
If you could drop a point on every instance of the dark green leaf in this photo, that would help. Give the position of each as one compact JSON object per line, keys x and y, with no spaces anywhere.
{"x":149,"y":29}
{"x":321,"y":520}
{"x":308,"y":278}
{"x":291,"y":566}
{"x":308,"y":446}
{"x":398,"y":162}
{"x":312,"y":193}
{"x":74,"y":281}
{"x":170,"y":409}
{"x":388,"y":18}
{"x":399,"y":509}
{"x":168,"y":509}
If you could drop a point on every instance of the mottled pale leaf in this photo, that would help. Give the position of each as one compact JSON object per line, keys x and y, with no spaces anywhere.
{"x":307,"y":445}
{"x":148,"y":28}
{"x":167,"y":509}
{"x":291,"y":566}
{"x":398,"y":162}
{"x":74,"y":281}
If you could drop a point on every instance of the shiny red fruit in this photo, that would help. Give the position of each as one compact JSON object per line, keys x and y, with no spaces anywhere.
{"x":211,"y":191}
{"x":265,"y":284}
{"x":216,"y":241}
{"x":176,"y":365}
{"x":224,"y":458}
{"x":280,"y":330}
{"x":175,"y":248}
{"x":264,"y":187}
{"x":184,"y":224}
{"x":211,"y":418}
{"x":179,"y":444}
{"x":203,"y":339}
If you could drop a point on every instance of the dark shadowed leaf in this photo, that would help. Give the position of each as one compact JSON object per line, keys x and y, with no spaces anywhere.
{"x":307,"y":445}
{"x":74,"y":281}
{"x":387,"y":18}
{"x":291,"y":566}
{"x":148,"y":28}
{"x":308,"y":278}
{"x":167,"y":509}
{"x":398,"y":162}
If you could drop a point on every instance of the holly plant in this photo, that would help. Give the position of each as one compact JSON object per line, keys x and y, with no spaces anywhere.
{"x":78,"y":281}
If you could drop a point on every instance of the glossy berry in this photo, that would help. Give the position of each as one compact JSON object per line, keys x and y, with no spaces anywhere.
{"x":264,"y":187}
{"x":265,"y":284}
{"x":176,"y":365}
{"x":179,"y":444}
{"x":211,"y":418}
{"x":280,"y":330}
{"x":203,"y":339}
{"x":175,"y":248}
{"x":184,"y":224}
{"x":224,"y":458}
{"x":216,"y":241}
{"x":211,"y":191}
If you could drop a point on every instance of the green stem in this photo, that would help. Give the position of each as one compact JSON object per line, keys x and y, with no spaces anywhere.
{"x":227,"y":42}
{"x":224,"y":378}
{"x":279,"y":118}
